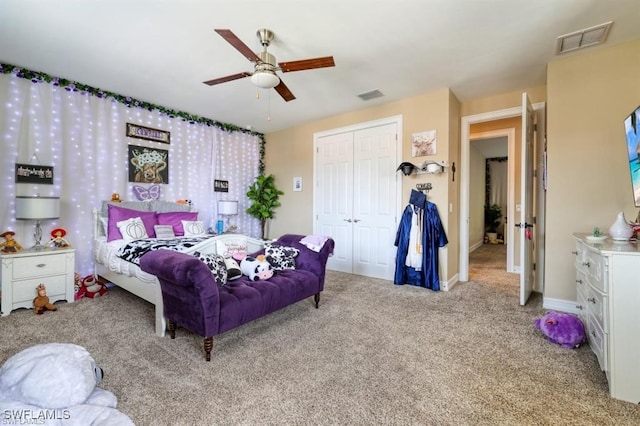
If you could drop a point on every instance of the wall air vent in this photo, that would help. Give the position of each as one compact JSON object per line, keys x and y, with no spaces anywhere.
{"x":371,"y":94}
{"x":583,"y":38}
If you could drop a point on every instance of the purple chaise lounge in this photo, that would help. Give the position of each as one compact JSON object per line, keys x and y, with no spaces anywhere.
{"x":192,"y":298}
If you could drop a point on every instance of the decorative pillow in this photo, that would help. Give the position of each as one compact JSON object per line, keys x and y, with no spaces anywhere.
{"x":132,"y":229}
{"x":216,"y":264}
{"x":164,"y":231}
{"x":118,"y":214}
{"x":228,"y":248}
{"x":175,"y":219}
{"x":193,"y":228}
{"x":281,"y":257}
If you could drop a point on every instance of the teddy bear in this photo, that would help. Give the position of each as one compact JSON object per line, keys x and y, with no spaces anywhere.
{"x":93,"y":287}
{"x":57,"y":382}
{"x":563,"y":329}
{"x":41,"y":302}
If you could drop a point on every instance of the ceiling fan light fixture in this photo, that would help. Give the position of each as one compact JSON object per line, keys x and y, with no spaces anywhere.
{"x":265,"y":80}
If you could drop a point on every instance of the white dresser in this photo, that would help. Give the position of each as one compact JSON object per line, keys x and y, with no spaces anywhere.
{"x":608,"y":297}
{"x":23,"y":271}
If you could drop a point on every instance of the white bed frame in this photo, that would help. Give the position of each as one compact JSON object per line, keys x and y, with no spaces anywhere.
{"x":150,"y":291}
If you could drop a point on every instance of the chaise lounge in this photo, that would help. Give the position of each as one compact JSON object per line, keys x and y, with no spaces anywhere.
{"x":196,"y":301}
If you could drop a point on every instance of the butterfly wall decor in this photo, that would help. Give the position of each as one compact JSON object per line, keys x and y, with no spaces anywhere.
{"x":147,"y":194}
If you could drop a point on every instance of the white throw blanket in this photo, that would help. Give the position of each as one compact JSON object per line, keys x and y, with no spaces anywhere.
{"x":54,"y":384}
{"x":314,"y":242}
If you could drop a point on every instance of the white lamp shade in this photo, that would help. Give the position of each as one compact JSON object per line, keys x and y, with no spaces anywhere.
{"x":227,"y":207}
{"x":265,"y":79}
{"x":37,"y":208}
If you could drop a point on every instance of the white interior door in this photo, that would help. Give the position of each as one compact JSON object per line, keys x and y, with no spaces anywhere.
{"x":356,"y":196}
{"x":374,"y":208}
{"x":333,"y":194}
{"x":526,"y":203}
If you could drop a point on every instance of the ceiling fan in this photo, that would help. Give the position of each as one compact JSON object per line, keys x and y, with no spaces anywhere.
{"x":264,"y":73}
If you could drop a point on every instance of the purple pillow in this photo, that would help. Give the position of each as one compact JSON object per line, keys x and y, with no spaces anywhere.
{"x":175,"y":219}
{"x":117,"y":214}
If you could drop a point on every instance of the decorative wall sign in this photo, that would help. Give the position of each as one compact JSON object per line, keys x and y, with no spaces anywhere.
{"x":147,"y":133}
{"x":423,"y":143}
{"x":148,"y":165}
{"x":220,"y":186}
{"x":34,"y":173}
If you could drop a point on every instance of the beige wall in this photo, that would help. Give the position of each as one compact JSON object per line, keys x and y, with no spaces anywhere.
{"x":289,"y":153}
{"x":589,"y":96}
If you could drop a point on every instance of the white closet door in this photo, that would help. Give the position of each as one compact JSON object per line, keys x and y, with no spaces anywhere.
{"x":374,"y":201}
{"x":334,"y":196}
{"x":356,"y":197}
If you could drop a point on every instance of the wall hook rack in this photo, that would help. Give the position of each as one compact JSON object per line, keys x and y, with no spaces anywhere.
{"x":429,"y":167}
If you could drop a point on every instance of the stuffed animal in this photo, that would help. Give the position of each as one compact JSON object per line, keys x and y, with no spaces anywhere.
{"x":41,"y":302}
{"x":78,"y":289}
{"x":93,"y":287}
{"x":57,"y":238}
{"x":56,"y":380}
{"x":563,"y":329}
{"x":256,"y":268}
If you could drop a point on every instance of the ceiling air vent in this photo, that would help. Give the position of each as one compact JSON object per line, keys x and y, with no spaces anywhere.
{"x":583,"y":38}
{"x":371,"y":94}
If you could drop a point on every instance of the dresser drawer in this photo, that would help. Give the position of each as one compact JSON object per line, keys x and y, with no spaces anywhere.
{"x":38,"y":266}
{"x":595,"y":270}
{"x":597,"y":308}
{"x":25,"y":290}
{"x":598,"y":342}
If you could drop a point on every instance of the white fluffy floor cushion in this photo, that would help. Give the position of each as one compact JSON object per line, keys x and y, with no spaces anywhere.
{"x":55,"y":384}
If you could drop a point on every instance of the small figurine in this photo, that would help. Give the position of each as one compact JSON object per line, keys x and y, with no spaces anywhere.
{"x":115,"y":198}
{"x":9,"y":245}
{"x":57,"y":238}
{"x":41,"y":302}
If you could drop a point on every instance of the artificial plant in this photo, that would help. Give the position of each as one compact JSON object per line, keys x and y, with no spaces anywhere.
{"x":492,"y":216}
{"x":264,"y":196}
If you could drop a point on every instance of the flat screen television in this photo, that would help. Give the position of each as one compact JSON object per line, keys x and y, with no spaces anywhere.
{"x":632,"y":130}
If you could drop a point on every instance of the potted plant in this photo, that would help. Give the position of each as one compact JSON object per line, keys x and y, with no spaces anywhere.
{"x":492,"y":217}
{"x":264,"y":196}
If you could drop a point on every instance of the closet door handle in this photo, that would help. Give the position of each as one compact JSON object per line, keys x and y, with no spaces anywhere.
{"x":347,"y":220}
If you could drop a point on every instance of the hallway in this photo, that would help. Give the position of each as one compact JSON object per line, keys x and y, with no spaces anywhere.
{"x":487,"y":265}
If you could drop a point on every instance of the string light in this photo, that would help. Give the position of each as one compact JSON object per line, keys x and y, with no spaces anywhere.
{"x":83,"y":137}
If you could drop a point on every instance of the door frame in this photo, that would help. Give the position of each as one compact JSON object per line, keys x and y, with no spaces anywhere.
{"x":510,"y":134}
{"x":465,"y":141}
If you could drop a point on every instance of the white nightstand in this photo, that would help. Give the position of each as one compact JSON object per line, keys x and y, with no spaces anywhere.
{"x":23,"y":271}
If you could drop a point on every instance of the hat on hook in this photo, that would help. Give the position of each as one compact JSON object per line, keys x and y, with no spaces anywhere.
{"x":406,"y":167}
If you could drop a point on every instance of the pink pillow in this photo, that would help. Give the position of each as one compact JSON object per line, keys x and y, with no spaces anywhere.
{"x":117,"y":214}
{"x":175,"y":219}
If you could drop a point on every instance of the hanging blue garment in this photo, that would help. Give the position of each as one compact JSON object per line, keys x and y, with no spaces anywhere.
{"x":433,"y":237}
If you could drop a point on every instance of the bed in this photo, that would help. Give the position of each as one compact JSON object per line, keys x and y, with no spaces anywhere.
{"x":109,"y":245}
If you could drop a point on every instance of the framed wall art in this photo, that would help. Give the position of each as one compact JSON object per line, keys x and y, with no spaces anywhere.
{"x":148,"y":165}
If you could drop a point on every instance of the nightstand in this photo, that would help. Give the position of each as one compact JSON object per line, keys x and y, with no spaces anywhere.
{"x":23,"y":271}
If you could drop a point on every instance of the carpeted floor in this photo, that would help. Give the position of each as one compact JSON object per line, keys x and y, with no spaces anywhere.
{"x":374,"y":353}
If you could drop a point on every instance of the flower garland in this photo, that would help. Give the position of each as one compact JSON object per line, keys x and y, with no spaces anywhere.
{"x":83,"y":89}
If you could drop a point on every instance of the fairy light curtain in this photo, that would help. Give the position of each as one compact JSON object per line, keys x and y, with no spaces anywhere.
{"x":83,"y":138}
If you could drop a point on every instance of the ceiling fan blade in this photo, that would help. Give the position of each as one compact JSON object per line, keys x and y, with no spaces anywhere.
{"x":227,"y":78}
{"x":307,"y":64}
{"x":284,"y":91}
{"x":233,"y":40}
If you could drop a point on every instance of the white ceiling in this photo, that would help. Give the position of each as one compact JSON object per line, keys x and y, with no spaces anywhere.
{"x":161,"y":51}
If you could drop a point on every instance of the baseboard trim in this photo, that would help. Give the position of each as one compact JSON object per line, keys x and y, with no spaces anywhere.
{"x":560,"y":305}
{"x":450,"y":283}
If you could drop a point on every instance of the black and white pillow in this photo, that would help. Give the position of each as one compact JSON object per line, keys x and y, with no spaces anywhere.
{"x":216,"y":264}
{"x":281,"y":257}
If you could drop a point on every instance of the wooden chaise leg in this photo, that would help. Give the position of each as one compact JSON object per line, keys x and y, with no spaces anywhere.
{"x":316,"y":299}
{"x":171,"y":327}
{"x":208,"y":345}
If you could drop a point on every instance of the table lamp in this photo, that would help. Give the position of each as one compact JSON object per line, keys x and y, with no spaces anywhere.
{"x":228,"y":208}
{"x":37,"y":208}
